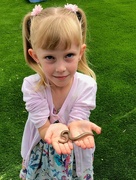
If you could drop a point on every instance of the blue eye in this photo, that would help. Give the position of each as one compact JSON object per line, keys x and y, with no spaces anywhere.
{"x":49,"y":58}
{"x":70,"y":55}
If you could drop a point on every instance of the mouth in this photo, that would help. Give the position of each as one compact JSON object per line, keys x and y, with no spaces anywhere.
{"x":61,"y":77}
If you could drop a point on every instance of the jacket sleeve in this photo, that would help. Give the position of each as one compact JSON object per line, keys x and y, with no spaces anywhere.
{"x":85,"y":101}
{"x":35,"y":103}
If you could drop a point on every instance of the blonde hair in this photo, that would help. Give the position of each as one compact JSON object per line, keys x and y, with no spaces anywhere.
{"x":50,"y":28}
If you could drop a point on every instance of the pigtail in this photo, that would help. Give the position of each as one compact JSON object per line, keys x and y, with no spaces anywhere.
{"x":82,"y":19}
{"x":83,"y":65}
{"x":26,"y":33}
{"x":26,"y":37}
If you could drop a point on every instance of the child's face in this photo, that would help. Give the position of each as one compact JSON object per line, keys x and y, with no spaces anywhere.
{"x":59,"y":66}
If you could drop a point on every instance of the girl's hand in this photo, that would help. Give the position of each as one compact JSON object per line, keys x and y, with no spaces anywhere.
{"x":52,"y":136}
{"x":78,"y":127}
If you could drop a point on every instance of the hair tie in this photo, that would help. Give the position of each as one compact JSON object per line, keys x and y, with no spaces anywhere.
{"x":36,"y":10}
{"x":71,"y":7}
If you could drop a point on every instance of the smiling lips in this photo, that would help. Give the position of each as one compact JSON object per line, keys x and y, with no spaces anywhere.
{"x":61,"y":77}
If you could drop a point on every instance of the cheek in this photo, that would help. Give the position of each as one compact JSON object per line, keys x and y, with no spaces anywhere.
{"x":73,"y":66}
{"x":48,"y":69}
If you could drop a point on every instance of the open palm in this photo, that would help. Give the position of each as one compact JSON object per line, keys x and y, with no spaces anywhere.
{"x":53,"y":136}
{"x":78,"y":127}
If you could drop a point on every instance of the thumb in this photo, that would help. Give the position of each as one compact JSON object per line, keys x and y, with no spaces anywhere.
{"x":48,"y":136}
{"x":95,"y":128}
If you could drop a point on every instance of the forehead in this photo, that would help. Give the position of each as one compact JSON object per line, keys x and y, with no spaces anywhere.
{"x":59,"y":51}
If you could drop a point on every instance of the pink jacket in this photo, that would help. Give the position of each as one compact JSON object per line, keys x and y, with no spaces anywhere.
{"x":39,"y":104}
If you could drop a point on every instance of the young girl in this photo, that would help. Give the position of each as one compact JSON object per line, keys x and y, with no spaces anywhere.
{"x":59,"y":97}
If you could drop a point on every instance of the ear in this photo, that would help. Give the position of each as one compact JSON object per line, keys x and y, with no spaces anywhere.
{"x":32,"y":53}
{"x":83,"y":48}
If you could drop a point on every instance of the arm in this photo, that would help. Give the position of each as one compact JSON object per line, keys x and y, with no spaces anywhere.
{"x":35,"y":102}
{"x":79,"y":116}
{"x":37,"y":106}
{"x":42,"y":130}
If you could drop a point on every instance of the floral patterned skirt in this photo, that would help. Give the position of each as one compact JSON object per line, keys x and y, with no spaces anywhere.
{"x":46,"y":164}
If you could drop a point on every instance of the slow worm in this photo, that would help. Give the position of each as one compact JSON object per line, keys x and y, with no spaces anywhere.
{"x":67,"y":136}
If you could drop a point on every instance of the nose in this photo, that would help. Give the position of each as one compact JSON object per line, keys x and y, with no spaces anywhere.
{"x":60,"y":67}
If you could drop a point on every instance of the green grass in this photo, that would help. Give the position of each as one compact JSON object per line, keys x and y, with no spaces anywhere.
{"x":112,"y":43}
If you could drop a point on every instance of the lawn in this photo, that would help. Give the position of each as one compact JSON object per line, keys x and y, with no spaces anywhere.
{"x":111,"y":43}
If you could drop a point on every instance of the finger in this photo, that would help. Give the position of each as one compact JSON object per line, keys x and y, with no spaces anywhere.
{"x":70,"y":144}
{"x":91,"y":142}
{"x":77,"y":143}
{"x":82,"y":144}
{"x":64,"y":148}
{"x":67,"y":148}
{"x":95,"y":128}
{"x":87,"y":142}
{"x":56,"y":147}
{"x":48,"y":137}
